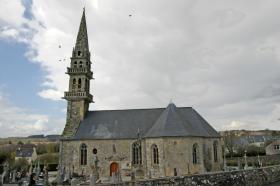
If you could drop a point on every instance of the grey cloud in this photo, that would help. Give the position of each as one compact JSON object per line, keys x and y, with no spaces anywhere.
{"x":222,"y":57}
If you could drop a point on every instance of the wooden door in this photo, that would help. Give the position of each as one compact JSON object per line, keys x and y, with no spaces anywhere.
{"x":113,"y":168}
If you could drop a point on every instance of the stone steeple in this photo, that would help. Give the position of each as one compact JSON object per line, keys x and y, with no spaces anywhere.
{"x":78,"y":96}
{"x":82,"y":37}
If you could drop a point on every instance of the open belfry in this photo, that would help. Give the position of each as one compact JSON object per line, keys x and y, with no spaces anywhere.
{"x":135,"y":143}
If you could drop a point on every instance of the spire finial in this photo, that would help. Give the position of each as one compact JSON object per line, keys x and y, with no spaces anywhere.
{"x":170,"y":101}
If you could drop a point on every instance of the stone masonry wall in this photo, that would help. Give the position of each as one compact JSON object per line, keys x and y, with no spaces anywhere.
{"x":268,"y":160}
{"x":254,"y":177}
{"x":174,"y":153}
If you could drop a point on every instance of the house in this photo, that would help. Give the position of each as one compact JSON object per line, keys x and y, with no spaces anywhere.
{"x":28,"y":153}
{"x":273,"y":148}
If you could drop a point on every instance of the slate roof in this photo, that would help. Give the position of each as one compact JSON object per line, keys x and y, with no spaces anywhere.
{"x":158,"y":122}
{"x":24,"y":152}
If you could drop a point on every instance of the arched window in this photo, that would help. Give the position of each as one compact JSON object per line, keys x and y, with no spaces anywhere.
{"x":136,"y":154}
{"x":79,"y":83}
{"x":83,"y":154}
{"x":155,"y":154}
{"x":215,"y":150}
{"x":79,"y":53}
{"x":195,"y":154}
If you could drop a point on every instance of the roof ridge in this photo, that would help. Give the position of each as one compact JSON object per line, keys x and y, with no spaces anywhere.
{"x":137,"y":109}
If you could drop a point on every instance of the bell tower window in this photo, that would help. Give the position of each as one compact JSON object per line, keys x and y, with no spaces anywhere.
{"x":74,"y":83}
{"x":79,"y":53}
{"x":86,"y":84}
{"x":79,"y":83}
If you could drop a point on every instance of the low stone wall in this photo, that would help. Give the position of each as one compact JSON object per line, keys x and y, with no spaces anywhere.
{"x":267,"y":160}
{"x":253,"y":177}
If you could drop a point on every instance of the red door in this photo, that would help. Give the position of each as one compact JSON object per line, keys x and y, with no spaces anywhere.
{"x":114,"y":168}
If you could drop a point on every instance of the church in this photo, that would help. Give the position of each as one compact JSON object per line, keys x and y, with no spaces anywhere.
{"x":131,"y":144}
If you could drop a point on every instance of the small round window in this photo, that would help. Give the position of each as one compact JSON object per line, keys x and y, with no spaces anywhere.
{"x":94,"y":151}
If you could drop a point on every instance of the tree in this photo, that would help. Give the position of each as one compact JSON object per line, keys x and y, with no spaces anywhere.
{"x":21,"y":164}
{"x":7,"y":157}
{"x":229,"y":143}
{"x":20,"y":143}
{"x":3,"y":157}
{"x":50,"y":148}
{"x":49,"y":158}
{"x":41,"y":149}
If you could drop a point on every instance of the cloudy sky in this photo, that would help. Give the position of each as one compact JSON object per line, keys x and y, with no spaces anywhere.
{"x":221,"y":57}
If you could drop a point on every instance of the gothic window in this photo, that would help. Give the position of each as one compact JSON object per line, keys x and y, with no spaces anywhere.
{"x":215,"y":150}
{"x":155,"y":154}
{"x":75,"y":62}
{"x":136,"y":154}
{"x":79,"y":53}
{"x":79,"y":83}
{"x":87,"y":63}
{"x":83,"y":154}
{"x":195,"y":154}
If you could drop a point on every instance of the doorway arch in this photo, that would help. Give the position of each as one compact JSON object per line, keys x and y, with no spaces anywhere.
{"x":114,"y":168}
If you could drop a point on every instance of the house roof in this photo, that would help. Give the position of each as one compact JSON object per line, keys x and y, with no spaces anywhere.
{"x":157,"y":122}
{"x":24,"y":152}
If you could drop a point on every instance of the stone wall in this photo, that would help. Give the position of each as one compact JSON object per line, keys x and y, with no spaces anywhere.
{"x":254,"y":177}
{"x":175,"y":153}
{"x":268,"y":160}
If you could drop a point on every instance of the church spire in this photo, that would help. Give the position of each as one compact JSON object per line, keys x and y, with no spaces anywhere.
{"x":82,"y":37}
{"x":78,"y":95}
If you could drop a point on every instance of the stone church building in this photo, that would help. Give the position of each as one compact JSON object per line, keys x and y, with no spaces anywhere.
{"x":134,"y":143}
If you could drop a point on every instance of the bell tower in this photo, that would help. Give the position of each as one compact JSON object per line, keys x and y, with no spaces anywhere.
{"x":78,"y":95}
